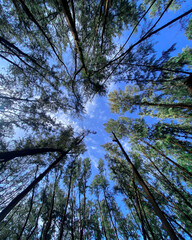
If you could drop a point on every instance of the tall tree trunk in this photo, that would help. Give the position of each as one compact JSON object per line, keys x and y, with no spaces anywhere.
{"x":30,"y":208}
{"x":36,"y":223}
{"x":122,"y":56}
{"x":167,"y":158}
{"x":102,"y":221}
{"x":150,"y":197}
{"x":109,"y":211}
{"x":173,"y":220}
{"x":170,"y":183}
{"x":7,"y":156}
{"x":65,"y":210}
{"x":32,"y":18}
{"x":146,"y":219}
{"x":72,"y":217}
{"x":73,"y":30}
{"x":174,"y":205}
{"x":166,"y":105}
{"x":139,"y":211}
{"x":20,"y":196}
{"x":38,"y":215}
{"x":48,"y":225}
{"x":84,"y":207}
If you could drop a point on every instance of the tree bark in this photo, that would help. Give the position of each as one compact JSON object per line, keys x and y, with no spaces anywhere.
{"x":20,"y":196}
{"x":151,"y":199}
{"x":114,"y":228}
{"x":31,"y":205}
{"x":7,"y":156}
{"x":73,"y":30}
{"x":48,"y":225}
{"x":65,"y":211}
{"x":166,"y":105}
{"x":167,"y":158}
{"x":170,"y":183}
{"x":102,"y":221}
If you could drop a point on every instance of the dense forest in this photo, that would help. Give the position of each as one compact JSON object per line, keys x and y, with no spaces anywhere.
{"x":58,"y":55}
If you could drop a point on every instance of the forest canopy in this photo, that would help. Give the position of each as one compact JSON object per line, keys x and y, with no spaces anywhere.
{"x":57,"y":57}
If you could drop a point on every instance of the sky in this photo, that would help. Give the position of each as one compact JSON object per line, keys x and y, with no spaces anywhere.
{"x":98,"y":110}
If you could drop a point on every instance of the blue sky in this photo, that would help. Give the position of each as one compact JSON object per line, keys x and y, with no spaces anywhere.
{"x":98,"y":110}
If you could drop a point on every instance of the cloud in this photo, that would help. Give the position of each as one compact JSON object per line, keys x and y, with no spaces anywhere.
{"x":67,"y":121}
{"x":112,"y":86}
{"x":90,"y":107}
{"x":126,"y":145}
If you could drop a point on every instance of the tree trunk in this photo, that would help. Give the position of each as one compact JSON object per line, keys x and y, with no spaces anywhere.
{"x":102,"y":221}
{"x":174,"y":205}
{"x":48,"y":225}
{"x":7,"y":156}
{"x":73,"y":30}
{"x":166,"y":105}
{"x":149,"y":195}
{"x":170,"y":183}
{"x":142,"y":208}
{"x":31,"y":205}
{"x":122,"y":56}
{"x":140,"y":212}
{"x":65,"y":210}
{"x":84,"y":206}
{"x":114,"y":228}
{"x":167,"y":158}
{"x":21,"y":195}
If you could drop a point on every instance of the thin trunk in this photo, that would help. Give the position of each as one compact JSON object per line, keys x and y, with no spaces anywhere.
{"x":36,"y":224}
{"x":17,"y":99}
{"x":174,"y":205}
{"x":173,"y":220}
{"x":65,"y":210}
{"x":139,"y":211}
{"x":7,"y":156}
{"x":16,"y":65}
{"x":168,"y":5}
{"x":145,"y":216}
{"x":20,"y":196}
{"x":135,"y":27}
{"x":148,"y":193}
{"x":11,"y":46}
{"x":167,"y":158}
{"x":72,"y":214}
{"x":156,"y":68}
{"x":181,"y":146}
{"x":166,"y":105}
{"x":105,"y":22}
{"x":84,"y":206}
{"x":48,"y":225}
{"x":32,"y":18}
{"x":170,"y":183}
{"x":73,"y":30}
{"x":30,"y":208}
{"x":122,"y":56}
{"x":114,"y":228}
{"x":102,"y":221}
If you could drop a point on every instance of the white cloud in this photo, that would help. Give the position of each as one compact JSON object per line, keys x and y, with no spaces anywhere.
{"x":67,"y":121}
{"x":90,"y":107}
{"x":93,"y":147}
{"x":126,"y":145}
{"x":94,"y":160}
{"x":112,"y":86}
